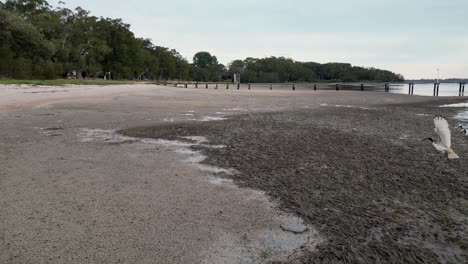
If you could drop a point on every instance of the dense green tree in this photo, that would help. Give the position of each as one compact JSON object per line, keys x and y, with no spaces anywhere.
{"x":204,"y":59}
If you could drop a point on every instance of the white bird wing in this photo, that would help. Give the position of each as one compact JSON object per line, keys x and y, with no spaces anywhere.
{"x":442,"y":129}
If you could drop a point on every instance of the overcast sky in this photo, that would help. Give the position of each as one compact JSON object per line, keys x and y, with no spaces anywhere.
{"x":411,"y":37}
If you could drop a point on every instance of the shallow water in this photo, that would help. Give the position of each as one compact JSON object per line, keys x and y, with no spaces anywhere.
{"x":426,"y":89}
{"x":445,"y":89}
{"x":463,"y":115}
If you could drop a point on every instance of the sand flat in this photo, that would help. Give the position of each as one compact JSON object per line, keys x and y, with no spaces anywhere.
{"x":109,"y":199}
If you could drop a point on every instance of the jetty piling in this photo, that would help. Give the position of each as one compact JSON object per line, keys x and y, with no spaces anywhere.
{"x":436,"y":89}
{"x":411,"y":88}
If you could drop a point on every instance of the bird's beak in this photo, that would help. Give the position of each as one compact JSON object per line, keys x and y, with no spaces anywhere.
{"x":430,"y":139}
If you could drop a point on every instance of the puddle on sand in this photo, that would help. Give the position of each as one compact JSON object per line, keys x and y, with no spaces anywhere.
{"x":220,"y":181}
{"x":171,"y":120}
{"x":267,"y":245}
{"x":191,"y":117}
{"x":182,"y":148}
{"x":211,"y":118}
{"x":456,"y":105}
{"x":462,"y":116}
{"x":234,"y":109}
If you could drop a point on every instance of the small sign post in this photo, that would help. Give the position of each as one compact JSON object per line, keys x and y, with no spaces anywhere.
{"x":236,"y":78}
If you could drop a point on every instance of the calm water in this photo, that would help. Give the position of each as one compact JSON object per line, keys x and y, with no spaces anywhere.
{"x":445,"y":89}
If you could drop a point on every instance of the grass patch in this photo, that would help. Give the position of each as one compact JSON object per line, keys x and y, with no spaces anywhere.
{"x":65,"y":82}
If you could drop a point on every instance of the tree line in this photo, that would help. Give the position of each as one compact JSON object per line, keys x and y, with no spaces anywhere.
{"x":45,"y":42}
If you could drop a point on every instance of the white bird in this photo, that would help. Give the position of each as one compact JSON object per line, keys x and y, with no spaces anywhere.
{"x":444,"y":143}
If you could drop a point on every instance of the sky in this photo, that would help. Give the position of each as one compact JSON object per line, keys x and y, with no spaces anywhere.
{"x":411,"y":37}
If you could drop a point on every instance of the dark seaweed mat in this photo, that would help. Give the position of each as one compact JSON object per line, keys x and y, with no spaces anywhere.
{"x":374,"y":196}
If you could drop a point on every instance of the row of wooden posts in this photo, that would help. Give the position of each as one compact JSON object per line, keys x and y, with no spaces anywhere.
{"x":387,"y":86}
{"x":461,"y":91}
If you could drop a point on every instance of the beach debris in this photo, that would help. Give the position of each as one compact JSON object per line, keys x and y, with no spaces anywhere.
{"x":463,"y":130}
{"x":443,"y":143}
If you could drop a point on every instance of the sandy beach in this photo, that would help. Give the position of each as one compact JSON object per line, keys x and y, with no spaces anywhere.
{"x":152,"y":174}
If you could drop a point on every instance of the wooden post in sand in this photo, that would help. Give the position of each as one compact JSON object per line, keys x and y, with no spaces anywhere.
{"x":337,"y":86}
{"x":294,"y":87}
{"x":387,"y":88}
{"x":461,"y":91}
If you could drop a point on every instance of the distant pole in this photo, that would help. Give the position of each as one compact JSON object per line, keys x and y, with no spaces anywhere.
{"x":294,"y":87}
{"x":362,"y":87}
{"x":227,"y":86}
{"x":206,"y":85}
{"x":337,"y":87}
{"x":271,"y":86}
{"x":438,"y":75}
{"x":238,"y":86}
{"x":315,"y":87}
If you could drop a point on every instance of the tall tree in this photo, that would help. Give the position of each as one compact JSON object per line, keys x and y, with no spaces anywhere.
{"x":204,"y":59}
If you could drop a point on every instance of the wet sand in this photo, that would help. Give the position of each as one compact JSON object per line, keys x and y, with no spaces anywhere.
{"x":74,"y":191}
